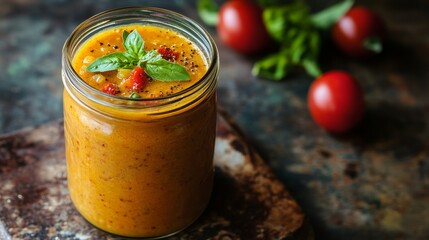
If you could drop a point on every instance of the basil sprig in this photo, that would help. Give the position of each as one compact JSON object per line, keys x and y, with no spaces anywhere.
{"x":296,"y":31}
{"x":298,"y":34}
{"x":155,"y":66}
{"x":290,"y":25}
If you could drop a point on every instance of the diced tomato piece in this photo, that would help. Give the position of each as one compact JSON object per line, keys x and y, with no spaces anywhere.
{"x":168,"y":53}
{"x":137,"y":80}
{"x":110,"y":88}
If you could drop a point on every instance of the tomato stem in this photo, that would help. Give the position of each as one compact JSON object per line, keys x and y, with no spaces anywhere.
{"x":373,"y":44}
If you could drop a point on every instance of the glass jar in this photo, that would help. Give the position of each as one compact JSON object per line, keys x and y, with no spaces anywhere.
{"x":140,"y":167}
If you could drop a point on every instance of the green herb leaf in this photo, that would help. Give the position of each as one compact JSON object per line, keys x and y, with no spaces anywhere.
{"x":125,"y":34}
{"x":134,"y":95}
{"x":151,"y":56}
{"x":314,"y":43}
{"x":298,"y":47}
{"x":299,"y":40}
{"x":134,"y":44}
{"x":275,"y":67}
{"x":311,"y":67}
{"x":284,"y":22}
{"x":327,"y":17}
{"x":110,"y":62}
{"x":373,"y":44}
{"x":164,"y":70}
{"x":208,"y":11}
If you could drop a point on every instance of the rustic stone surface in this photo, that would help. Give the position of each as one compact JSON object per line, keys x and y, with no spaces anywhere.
{"x":248,"y":202}
{"x":371,"y":184}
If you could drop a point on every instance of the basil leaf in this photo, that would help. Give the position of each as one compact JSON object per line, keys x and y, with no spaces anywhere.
{"x":327,"y":17}
{"x":208,"y":12}
{"x":110,"y":62}
{"x":125,"y":34}
{"x":314,"y":43}
{"x":134,"y":44}
{"x":284,"y":22}
{"x":274,"y":23}
{"x":291,"y":26}
{"x":164,"y":70}
{"x":311,"y":67}
{"x":298,"y":47}
{"x":134,"y":95}
{"x":275,"y":66}
{"x":151,"y":56}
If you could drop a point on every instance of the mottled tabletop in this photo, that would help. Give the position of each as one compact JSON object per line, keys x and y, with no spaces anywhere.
{"x":372,"y":183}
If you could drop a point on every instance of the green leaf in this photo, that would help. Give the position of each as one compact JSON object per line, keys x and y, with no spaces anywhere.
{"x":110,"y":62}
{"x":125,"y":34}
{"x":298,"y":47}
{"x":151,"y":56}
{"x":275,"y":23}
{"x":275,"y":67}
{"x":312,"y":68}
{"x":314,"y":43}
{"x":291,"y":26}
{"x":284,"y":22}
{"x":164,"y":70}
{"x":134,"y":95}
{"x":134,"y":44}
{"x":373,"y":44}
{"x":208,"y":12}
{"x":327,"y":17}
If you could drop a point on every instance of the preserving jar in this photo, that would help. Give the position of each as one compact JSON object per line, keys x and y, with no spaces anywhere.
{"x":140,"y":167}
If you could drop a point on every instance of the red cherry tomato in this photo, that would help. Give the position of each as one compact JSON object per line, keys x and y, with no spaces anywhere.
{"x":336,"y":102}
{"x":168,"y":53}
{"x":137,"y":80}
{"x":241,"y":27}
{"x":359,"y":33}
{"x":110,"y":88}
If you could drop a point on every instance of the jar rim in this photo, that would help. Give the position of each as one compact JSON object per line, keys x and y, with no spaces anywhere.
{"x":99,"y":21}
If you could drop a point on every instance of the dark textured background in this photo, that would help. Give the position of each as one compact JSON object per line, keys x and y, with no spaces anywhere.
{"x":370,"y":184}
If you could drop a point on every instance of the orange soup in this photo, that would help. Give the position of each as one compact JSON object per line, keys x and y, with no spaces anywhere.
{"x":162,"y":40}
